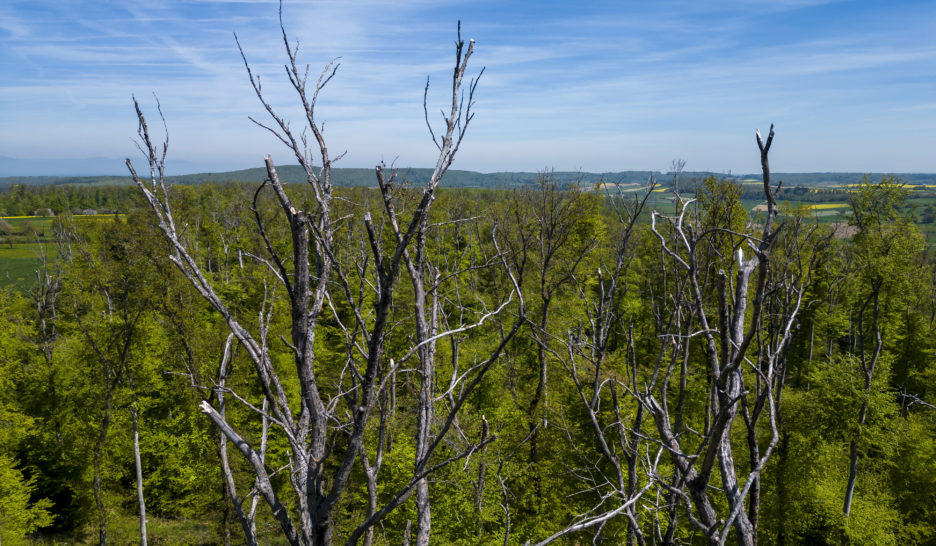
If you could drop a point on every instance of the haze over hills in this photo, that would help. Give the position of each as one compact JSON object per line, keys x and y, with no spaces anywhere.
{"x":92,"y":166}
{"x":110,"y":171}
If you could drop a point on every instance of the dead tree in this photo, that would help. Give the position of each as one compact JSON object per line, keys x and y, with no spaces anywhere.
{"x":620,"y":478}
{"x":113,"y":339}
{"x":326,"y":428}
{"x":550,"y":237}
{"x":676,"y":167}
{"x":746,"y":319}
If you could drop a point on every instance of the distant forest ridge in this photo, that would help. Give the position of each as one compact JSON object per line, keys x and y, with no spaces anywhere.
{"x":471,"y":179}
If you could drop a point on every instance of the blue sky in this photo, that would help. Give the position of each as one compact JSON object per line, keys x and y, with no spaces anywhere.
{"x":589,"y":85}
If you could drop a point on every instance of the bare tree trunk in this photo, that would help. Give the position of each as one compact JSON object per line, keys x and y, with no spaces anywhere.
{"x":852,"y":476}
{"x":743,"y":526}
{"x":729,"y":344}
{"x":479,"y":498}
{"x":246,"y":520}
{"x":632,"y":457}
{"x":371,"y":478}
{"x":139,"y":472}
{"x":868,"y":365}
{"x":423,"y":513}
{"x":371,"y":471}
{"x":325,"y":424}
{"x":98,"y":463}
{"x":425,"y":416}
{"x":753,"y":511}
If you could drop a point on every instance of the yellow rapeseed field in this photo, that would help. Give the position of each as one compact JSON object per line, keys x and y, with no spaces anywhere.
{"x":51,"y":217}
{"x":827,"y":206}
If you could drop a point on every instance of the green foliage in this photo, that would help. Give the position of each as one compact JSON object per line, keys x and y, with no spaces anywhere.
{"x":120,"y":293}
{"x":836,"y":399}
{"x":19,"y":516}
{"x":20,"y":513}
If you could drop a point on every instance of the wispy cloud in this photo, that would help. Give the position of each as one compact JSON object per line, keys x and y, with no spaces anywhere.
{"x":596,"y":85}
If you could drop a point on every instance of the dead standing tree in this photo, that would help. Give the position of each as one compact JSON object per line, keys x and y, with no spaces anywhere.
{"x":315,"y":277}
{"x":745,"y":345}
{"x":618,"y":474}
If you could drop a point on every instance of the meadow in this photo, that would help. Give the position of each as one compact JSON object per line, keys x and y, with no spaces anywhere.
{"x":24,"y":244}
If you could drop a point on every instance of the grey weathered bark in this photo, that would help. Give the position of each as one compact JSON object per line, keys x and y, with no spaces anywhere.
{"x":246,"y":520}
{"x":326,"y":434}
{"x":138,"y":465}
{"x":584,"y":359}
{"x":740,"y":342}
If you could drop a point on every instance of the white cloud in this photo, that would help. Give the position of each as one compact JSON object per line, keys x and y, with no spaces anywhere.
{"x":606,"y":88}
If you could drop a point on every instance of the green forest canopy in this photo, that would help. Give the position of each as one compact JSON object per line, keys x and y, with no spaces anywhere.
{"x":112,"y":328}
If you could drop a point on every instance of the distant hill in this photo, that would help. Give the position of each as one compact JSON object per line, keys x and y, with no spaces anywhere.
{"x":7,"y":181}
{"x":95,"y":166}
{"x":829,"y":179}
{"x":355,"y":177}
{"x":471,"y":179}
{"x":453,"y":178}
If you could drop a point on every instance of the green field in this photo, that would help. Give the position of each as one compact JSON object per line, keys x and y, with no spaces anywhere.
{"x":21,"y":250}
{"x":19,"y":262}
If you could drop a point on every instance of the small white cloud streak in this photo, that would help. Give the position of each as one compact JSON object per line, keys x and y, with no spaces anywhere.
{"x":571,"y":97}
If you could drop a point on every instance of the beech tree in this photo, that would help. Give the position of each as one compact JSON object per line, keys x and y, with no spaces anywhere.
{"x":305,"y":363}
{"x":619,"y":474}
{"x":19,"y":513}
{"x":328,"y":422}
{"x":887,"y":248}
{"x":736,"y":294}
{"x":746,"y":318}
